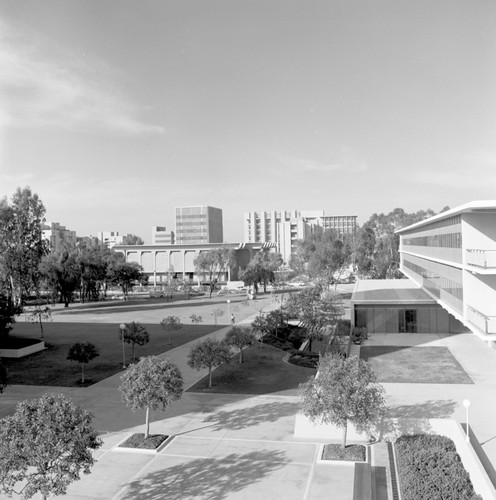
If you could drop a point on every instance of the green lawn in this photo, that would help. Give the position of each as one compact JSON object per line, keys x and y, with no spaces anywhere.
{"x":262,"y":372}
{"x":418,"y":365}
{"x":50,"y":367}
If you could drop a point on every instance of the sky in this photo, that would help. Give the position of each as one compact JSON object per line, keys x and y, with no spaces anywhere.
{"x":116,"y":111}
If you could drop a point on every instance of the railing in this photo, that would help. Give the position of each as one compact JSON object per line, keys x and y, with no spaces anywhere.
{"x":481,"y":258}
{"x":487,"y":324}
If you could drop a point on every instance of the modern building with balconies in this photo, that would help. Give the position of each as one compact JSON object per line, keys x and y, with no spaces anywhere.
{"x":450,"y":260}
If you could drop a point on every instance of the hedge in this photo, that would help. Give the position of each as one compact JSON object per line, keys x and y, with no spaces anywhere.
{"x":429,"y":468}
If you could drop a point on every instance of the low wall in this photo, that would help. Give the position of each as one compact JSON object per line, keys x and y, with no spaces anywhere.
{"x":24,"y":351}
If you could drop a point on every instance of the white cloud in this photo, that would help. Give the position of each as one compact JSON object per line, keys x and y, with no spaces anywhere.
{"x":44,"y":85}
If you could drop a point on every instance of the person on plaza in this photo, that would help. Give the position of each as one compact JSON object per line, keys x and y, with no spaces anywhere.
{"x":233,"y":319}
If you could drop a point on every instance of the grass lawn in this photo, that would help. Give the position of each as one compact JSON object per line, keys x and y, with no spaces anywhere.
{"x":50,"y":367}
{"x":263,"y":371}
{"x":418,"y":365}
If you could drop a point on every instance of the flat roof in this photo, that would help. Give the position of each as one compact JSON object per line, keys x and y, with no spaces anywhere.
{"x":389,"y":291}
{"x":481,"y":206}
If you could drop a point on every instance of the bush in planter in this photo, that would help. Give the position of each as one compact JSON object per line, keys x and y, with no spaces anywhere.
{"x":359,"y":334}
{"x":343,"y":327}
{"x":430,"y":468}
{"x":304,"y":358}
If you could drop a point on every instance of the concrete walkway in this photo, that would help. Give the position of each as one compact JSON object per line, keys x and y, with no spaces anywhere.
{"x":242,"y":447}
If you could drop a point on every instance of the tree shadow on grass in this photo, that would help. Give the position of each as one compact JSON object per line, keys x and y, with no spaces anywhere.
{"x":412,"y":419}
{"x":206,"y":478}
{"x":255,"y":415}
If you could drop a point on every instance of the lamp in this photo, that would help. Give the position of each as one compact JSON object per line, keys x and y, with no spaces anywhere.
{"x":228,"y":311}
{"x":122,"y":326}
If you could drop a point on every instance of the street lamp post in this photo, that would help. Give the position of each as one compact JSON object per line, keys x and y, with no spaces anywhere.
{"x":122,"y":326}
{"x":228,"y":311}
{"x":467,"y":404}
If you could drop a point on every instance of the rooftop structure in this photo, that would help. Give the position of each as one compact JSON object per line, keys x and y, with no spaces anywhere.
{"x":58,"y":235}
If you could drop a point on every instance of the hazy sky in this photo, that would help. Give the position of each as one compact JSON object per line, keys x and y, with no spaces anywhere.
{"x":117,"y":111}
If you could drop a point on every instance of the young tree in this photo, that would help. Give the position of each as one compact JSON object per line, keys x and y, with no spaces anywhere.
{"x":217,"y":312}
{"x":196,"y":318}
{"x":209,"y":353}
{"x":44,"y":446}
{"x":136,"y":333}
{"x":38,"y":314}
{"x":240,"y":337}
{"x":83,"y":354}
{"x":153,"y":383}
{"x":344,"y":390}
{"x":171,"y":324}
{"x":213,"y":264}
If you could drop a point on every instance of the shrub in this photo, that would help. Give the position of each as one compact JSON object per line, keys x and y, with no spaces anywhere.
{"x":304,"y":358}
{"x":343,"y":327}
{"x":430,"y":468}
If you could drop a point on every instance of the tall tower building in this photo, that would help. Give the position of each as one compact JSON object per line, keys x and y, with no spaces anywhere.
{"x":198,"y":225}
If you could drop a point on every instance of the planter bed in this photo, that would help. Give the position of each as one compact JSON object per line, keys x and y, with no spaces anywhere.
{"x":351,"y":453}
{"x":137,"y":442}
{"x":18,"y":347}
{"x":430,"y":468}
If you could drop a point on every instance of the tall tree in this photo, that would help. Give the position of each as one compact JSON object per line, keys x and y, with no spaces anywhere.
{"x":152,"y":384}
{"x":209,"y":353}
{"x":261,"y":270}
{"x":125,"y":275}
{"x":344,"y":390}
{"x":214,"y":264}
{"x":21,"y":243}
{"x":45,"y":446}
{"x":315,"y":310}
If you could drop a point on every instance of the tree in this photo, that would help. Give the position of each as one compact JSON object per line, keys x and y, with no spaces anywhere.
{"x":125,"y":275}
{"x":344,"y":390}
{"x":315,"y":310}
{"x":171,"y":324}
{"x":21,"y":243}
{"x":153,"y":383}
{"x":132,"y":239}
{"x":240,"y":337}
{"x":38,"y":314}
{"x":3,"y":377}
{"x":261,"y":270}
{"x":213,"y":264}
{"x":136,"y":333}
{"x":209,"y":353}
{"x":196,"y":318}
{"x":83,"y":354}
{"x":217,"y":312}
{"x":44,"y":446}
{"x":8,"y":313}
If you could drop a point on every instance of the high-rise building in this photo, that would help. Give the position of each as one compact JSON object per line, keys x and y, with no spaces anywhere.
{"x":286,"y":227}
{"x":58,"y":235}
{"x":160,"y":236}
{"x":198,"y":225}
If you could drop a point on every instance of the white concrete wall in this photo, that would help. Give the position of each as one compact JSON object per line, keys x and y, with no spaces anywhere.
{"x":479,"y":231}
{"x":479,"y":292}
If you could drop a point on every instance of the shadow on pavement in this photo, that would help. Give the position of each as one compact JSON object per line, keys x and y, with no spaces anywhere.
{"x":206,"y":477}
{"x":254,"y":415}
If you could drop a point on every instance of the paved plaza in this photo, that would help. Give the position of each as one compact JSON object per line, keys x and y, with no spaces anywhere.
{"x":241,"y":446}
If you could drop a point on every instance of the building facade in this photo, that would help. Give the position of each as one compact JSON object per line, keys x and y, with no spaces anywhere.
{"x":198,"y":225}
{"x":163,"y":262}
{"x":451,"y":259}
{"x":160,"y":236}
{"x":58,"y":236}
{"x":286,"y":227}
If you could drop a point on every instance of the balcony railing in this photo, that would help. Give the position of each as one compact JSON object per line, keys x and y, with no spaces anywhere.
{"x":487,"y":324}
{"x":482,"y":258}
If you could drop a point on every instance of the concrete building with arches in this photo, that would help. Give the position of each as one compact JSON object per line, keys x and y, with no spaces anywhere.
{"x":161,"y":262}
